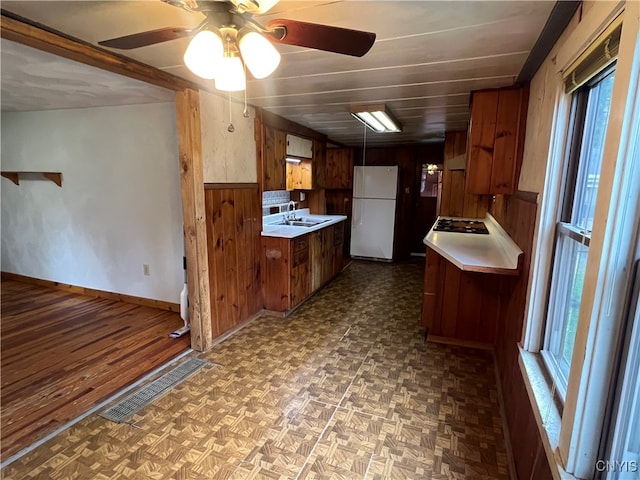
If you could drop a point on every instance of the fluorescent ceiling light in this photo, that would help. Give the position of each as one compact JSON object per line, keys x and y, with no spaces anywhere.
{"x":377,"y":117}
{"x":370,"y":121}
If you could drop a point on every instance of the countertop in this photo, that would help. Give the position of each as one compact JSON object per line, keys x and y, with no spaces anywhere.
{"x":492,"y":253}
{"x":290,"y":231}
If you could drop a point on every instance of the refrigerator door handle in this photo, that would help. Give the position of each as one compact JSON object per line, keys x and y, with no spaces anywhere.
{"x":358,"y":213}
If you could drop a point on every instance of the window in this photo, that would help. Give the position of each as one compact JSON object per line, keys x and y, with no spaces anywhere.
{"x":590,"y":113}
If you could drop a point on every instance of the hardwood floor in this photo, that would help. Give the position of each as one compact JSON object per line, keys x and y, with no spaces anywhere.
{"x":62,"y":353}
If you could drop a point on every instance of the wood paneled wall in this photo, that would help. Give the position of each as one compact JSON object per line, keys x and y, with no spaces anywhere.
{"x":409,"y":159}
{"x":233,"y":214}
{"x":339,"y":202}
{"x":454,"y":201}
{"x":460,"y":304}
{"x":517,"y":214}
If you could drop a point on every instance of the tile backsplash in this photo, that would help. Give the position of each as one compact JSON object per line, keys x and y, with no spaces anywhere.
{"x":275,"y":201}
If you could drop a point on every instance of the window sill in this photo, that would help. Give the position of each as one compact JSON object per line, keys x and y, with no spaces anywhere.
{"x":544,"y":410}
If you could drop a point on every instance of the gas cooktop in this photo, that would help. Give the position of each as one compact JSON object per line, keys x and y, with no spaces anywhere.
{"x":461,"y":226}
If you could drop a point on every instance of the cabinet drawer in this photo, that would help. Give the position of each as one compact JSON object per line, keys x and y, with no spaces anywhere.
{"x":301,"y":243}
{"x":300,"y":257}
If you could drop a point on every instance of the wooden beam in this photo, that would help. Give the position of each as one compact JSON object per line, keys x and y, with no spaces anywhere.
{"x":36,"y":36}
{"x":562,"y":13}
{"x":194,"y":217}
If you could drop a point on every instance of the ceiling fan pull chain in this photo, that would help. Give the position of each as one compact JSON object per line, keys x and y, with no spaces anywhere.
{"x":230,"y":128}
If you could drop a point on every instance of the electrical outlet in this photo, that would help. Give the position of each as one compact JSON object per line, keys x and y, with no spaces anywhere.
{"x":145,"y":269}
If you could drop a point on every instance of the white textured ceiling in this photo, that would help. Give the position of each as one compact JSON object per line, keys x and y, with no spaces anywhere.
{"x":427,"y":57}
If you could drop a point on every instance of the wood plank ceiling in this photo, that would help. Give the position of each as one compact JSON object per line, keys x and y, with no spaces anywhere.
{"x":427,"y":57}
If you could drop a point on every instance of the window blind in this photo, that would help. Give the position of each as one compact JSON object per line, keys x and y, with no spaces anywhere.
{"x":602,"y":54}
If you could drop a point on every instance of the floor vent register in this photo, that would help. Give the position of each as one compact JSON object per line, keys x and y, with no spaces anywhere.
{"x":135,"y":402}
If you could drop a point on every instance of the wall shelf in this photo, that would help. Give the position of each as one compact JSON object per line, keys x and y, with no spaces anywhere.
{"x":55,"y":177}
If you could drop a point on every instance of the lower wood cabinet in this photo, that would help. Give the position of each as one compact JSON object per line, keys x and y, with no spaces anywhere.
{"x":460,"y":304}
{"x":295,"y":268}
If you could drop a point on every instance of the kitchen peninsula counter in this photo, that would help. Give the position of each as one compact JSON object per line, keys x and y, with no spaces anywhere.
{"x":464,"y":277}
{"x":492,"y":253}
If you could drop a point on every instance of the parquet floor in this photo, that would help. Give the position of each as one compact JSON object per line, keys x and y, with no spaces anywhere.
{"x":62,"y":353}
{"x":345,"y":388}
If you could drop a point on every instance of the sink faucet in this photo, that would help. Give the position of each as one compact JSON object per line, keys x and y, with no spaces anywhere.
{"x":291,"y":210}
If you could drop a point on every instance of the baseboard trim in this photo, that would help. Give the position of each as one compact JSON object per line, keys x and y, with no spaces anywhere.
{"x":118,"y":297}
{"x":459,"y":343}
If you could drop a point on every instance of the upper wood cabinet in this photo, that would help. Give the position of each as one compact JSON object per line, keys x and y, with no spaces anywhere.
{"x":496,"y":140}
{"x":299,"y":176}
{"x":299,"y":146}
{"x":339,"y":168}
{"x":309,"y":173}
{"x":273,"y":159}
{"x":319,"y":163}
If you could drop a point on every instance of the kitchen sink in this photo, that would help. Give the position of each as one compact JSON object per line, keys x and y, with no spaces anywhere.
{"x":300,"y":222}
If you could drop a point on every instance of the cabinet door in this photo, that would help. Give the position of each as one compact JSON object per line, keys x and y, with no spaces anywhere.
{"x":505,"y":148}
{"x":294,"y":176}
{"x":495,"y":141}
{"x":319,"y":164}
{"x":315,"y":258}
{"x":275,"y":281}
{"x":328,"y":254}
{"x":338,"y":247}
{"x":482,"y":132}
{"x":305,"y":180}
{"x":274,"y":172}
{"x":300,"y":281}
{"x":339,"y":168}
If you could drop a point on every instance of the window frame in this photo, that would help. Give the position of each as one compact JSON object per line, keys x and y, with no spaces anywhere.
{"x":555,"y":323}
{"x":568,"y":433}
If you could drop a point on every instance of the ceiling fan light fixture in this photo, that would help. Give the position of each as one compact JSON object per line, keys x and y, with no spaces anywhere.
{"x":258,"y":53}
{"x":204,"y":54}
{"x":230,"y":76}
{"x":377,"y":117}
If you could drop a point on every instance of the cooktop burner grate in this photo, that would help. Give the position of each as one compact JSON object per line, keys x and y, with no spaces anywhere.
{"x":461,"y":226}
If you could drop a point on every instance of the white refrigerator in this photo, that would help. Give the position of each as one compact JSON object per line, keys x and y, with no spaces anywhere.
{"x":374,"y":212}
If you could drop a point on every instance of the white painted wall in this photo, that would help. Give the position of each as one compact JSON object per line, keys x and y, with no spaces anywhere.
{"x":228,"y":157}
{"x":119,"y":206}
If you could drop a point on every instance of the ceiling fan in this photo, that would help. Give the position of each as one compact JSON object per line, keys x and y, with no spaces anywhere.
{"x":229,"y":38}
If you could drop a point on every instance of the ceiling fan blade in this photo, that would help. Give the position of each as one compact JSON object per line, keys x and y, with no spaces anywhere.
{"x":151,"y":37}
{"x":321,"y":37}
